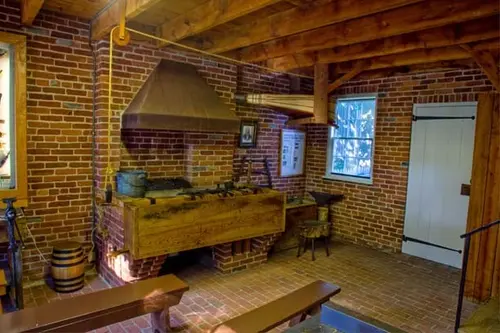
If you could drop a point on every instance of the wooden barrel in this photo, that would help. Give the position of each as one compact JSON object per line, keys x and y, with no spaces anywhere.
{"x":67,"y":266}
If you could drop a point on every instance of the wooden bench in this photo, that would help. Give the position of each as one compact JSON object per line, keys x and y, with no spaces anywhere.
{"x":87,"y":312}
{"x":294,"y":307}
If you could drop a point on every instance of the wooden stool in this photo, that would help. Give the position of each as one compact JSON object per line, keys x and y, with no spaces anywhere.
{"x":313,"y":229}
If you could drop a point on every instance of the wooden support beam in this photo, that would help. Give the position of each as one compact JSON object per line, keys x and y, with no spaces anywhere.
{"x":296,"y":20}
{"x":29,"y":10}
{"x":416,"y":57}
{"x":467,"y":32}
{"x":487,"y":62}
{"x":111,"y":17}
{"x":321,"y":93}
{"x":321,"y":104}
{"x":358,"y":68}
{"x":382,"y":25}
{"x":207,"y":16}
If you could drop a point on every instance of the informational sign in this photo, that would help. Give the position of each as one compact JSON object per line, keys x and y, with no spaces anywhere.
{"x":292,"y":154}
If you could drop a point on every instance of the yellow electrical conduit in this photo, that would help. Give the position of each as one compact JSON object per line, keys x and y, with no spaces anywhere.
{"x":109,"y":169}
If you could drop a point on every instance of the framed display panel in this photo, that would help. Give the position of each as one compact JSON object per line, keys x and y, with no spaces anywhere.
{"x":292,"y":153}
{"x":13,"y":156}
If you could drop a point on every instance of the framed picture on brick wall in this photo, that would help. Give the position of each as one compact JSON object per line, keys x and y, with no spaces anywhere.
{"x":248,"y":133}
{"x":292,"y":153}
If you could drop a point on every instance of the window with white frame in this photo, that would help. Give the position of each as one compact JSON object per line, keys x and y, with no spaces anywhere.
{"x":351,"y":145}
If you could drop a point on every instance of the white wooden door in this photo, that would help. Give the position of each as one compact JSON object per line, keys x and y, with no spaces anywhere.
{"x":440,"y":162}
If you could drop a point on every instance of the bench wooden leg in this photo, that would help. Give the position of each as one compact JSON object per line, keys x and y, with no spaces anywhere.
{"x":160,"y":320}
{"x":327,"y":241}
{"x":300,"y":318}
{"x":300,"y":244}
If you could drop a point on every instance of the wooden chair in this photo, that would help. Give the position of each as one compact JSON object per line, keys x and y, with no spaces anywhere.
{"x":294,"y":307}
{"x":312,"y":230}
{"x":87,"y":312}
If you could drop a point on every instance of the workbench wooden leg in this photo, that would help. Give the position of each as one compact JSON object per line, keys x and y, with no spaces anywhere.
{"x":327,"y":242}
{"x":312,"y":249}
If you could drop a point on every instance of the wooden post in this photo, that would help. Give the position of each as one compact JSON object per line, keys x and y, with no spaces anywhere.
{"x":321,"y":93}
{"x":483,"y":266}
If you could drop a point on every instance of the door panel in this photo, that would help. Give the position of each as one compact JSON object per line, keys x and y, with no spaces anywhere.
{"x":440,"y":162}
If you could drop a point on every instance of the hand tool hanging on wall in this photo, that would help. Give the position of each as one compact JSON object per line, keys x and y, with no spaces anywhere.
{"x":250,"y":170}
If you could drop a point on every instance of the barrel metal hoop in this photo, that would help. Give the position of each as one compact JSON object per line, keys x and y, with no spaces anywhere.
{"x":67,"y":251}
{"x":68,"y":258}
{"x":68,"y":265}
{"x":68,"y":280}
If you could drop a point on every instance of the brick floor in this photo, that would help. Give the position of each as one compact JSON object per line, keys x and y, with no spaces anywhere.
{"x":410,"y":293}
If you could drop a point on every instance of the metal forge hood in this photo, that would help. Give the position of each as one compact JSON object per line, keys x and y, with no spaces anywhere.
{"x":175,"y":97}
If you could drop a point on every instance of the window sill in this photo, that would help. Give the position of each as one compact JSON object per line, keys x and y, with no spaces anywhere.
{"x":349,"y":179}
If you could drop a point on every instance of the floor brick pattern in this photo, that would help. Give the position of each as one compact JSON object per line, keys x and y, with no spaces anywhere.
{"x":407,"y":292}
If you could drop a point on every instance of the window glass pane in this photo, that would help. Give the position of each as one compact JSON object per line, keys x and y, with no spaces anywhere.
{"x":352,"y":141}
{"x":7,"y":139}
{"x":355,"y":118}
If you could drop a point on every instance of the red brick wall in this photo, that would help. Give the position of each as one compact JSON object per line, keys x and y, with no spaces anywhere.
{"x":59,"y":118}
{"x":373,"y":215}
{"x":160,"y":153}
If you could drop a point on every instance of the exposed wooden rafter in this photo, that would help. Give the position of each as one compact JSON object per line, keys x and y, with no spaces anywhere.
{"x":390,"y":23}
{"x":29,"y":10}
{"x":296,"y":20}
{"x":207,"y":16}
{"x":487,"y":62}
{"x":111,"y":16}
{"x":416,"y":57}
{"x":456,"y":34}
{"x":358,"y":68}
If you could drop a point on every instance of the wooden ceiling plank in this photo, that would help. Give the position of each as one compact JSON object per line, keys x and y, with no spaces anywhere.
{"x":390,"y":23}
{"x":29,"y":10}
{"x":358,"y":68}
{"x":296,"y":20}
{"x":487,"y":62}
{"x":456,"y":34}
{"x":110,"y":17}
{"x":207,"y":16}
{"x":417,"y":57}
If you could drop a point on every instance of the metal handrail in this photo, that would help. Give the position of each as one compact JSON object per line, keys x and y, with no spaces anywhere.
{"x":481,"y":228}
{"x":465,"y":261}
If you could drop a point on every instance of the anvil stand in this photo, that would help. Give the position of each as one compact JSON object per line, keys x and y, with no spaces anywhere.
{"x":14,"y":253}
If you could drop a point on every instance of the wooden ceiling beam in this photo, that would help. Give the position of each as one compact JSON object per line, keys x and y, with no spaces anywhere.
{"x":294,"y":21}
{"x":416,"y":57}
{"x":29,"y":10}
{"x":110,"y":17}
{"x":390,"y":23}
{"x":455,"y":34}
{"x":207,"y":16}
{"x":433,"y":67}
{"x":487,"y":62}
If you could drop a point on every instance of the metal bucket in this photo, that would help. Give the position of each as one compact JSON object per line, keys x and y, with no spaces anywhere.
{"x":131,"y":183}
